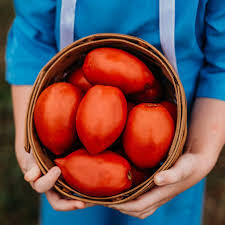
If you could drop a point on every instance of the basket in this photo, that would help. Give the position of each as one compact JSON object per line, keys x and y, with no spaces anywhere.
{"x":56,"y":70}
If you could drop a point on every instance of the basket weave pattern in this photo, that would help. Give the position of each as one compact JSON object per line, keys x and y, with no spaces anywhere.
{"x":56,"y":70}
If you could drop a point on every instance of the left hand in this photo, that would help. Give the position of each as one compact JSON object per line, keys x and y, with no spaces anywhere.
{"x":188,"y":170}
{"x":206,"y":137}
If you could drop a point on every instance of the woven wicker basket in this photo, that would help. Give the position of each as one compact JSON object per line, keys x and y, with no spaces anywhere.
{"x":56,"y":69}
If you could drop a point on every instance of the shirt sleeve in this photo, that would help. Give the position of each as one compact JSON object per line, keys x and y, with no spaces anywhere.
{"x":212,"y":75}
{"x":31,"y":40}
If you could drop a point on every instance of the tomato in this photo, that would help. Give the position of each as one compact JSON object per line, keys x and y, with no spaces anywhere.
{"x":101,"y":117}
{"x":172,"y":108}
{"x":105,"y":174}
{"x":115,"y":67}
{"x":55,"y":116}
{"x":78,"y":79}
{"x":148,"y":134}
{"x":150,"y":94}
{"x":139,"y":176}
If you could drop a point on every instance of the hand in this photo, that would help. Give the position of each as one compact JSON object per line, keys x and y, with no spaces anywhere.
{"x":204,"y":144}
{"x":188,"y":170}
{"x":44,"y":184}
{"x":32,"y":173}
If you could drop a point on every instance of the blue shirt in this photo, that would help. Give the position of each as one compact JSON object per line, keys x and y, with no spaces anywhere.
{"x":199,"y":37}
{"x":200,"y":53}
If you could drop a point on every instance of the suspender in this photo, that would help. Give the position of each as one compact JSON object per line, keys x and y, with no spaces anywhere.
{"x":166,"y":26}
{"x":67,"y":18}
{"x":167,"y":29}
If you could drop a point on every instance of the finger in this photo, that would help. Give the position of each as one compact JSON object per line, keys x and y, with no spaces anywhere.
{"x":134,"y":214}
{"x":140,"y":215}
{"x":147,"y":214}
{"x":33,"y":174}
{"x":131,"y":206}
{"x":138,"y":205}
{"x":149,"y":199}
{"x":60,"y":204}
{"x":150,"y":210}
{"x":182,"y":169}
{"x":32,"y":184}
{"x":89,"y":205}
{"x":26,"y":161}
{"x":151,"y":207}
{"x":47,"y":181}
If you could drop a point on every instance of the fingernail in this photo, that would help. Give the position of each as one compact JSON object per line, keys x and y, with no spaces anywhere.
{"x":28,"y":176}
{"x":57,"y":171}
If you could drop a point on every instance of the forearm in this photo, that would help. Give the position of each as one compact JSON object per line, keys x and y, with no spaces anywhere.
{"x":20,"y":98}
{"x":207,"y":129}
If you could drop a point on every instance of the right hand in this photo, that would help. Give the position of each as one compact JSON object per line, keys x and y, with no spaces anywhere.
{"x":27,"y":163}
{"x":44,"y":184}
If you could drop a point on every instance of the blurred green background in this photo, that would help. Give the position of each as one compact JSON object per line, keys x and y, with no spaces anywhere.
{"x":19,"y":205}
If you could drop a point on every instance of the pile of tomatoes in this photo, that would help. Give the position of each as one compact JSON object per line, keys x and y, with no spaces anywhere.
{"x":109,"y":119}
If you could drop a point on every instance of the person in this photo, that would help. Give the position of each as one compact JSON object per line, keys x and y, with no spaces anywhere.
{"x":191,"y":34}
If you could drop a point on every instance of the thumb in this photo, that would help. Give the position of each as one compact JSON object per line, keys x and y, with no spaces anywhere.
{"x":32,"y":174}
{"x":182,"y":169}
{"x":47,"y":181}
{"x":32,"y":171}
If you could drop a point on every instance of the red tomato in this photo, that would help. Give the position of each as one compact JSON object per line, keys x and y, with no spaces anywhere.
{"x":115,"y":67}
{"x":150,"y":94}
{"x":148,"y":134}
{"x":78,"y":79}
{"x":172,"y":108}
{"x":105,"y":174}
{"x":139,"y":176}
{"x":101,"y":117}
{"x":55,"y":116}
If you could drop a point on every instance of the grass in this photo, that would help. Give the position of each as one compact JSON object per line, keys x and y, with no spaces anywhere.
{"x":18,"y":203}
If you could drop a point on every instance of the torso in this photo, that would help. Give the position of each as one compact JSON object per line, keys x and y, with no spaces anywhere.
{"x":141,"y":19}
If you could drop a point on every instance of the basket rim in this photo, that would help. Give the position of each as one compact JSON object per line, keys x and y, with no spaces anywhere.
{"x":86,"y":41}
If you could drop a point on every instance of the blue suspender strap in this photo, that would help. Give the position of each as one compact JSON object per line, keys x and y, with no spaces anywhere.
{"x":67,"y":18}
{"x":167,"y":30}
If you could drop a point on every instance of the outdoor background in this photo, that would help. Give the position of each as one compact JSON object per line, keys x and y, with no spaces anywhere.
{"x":18,"y":203}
